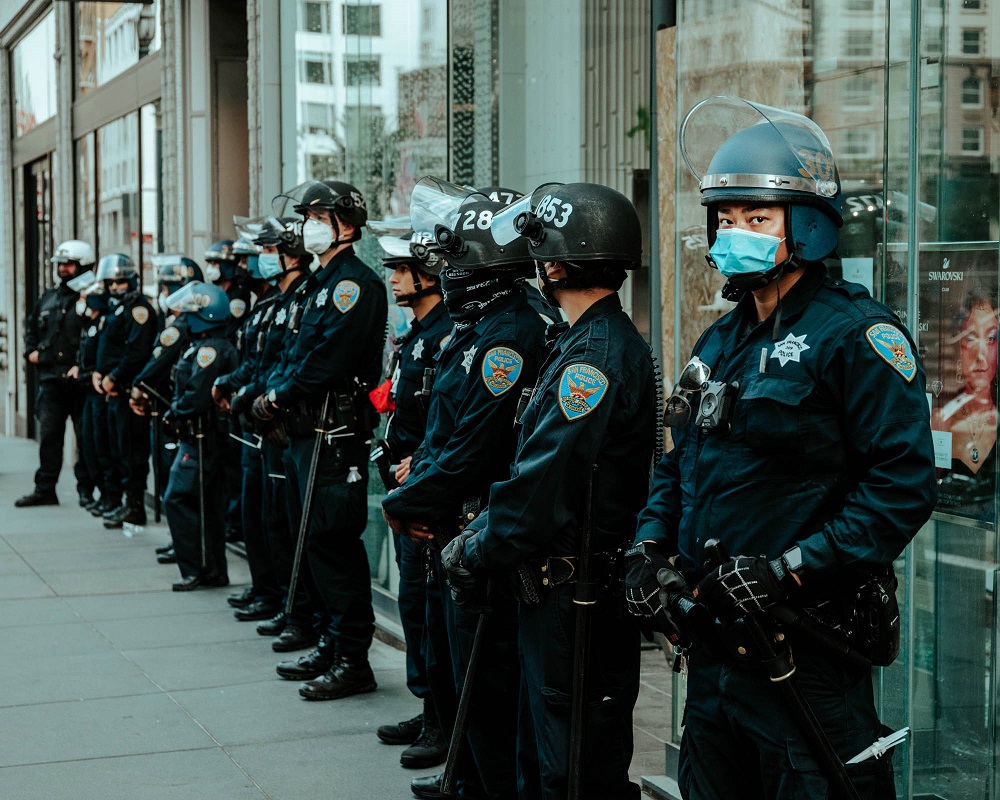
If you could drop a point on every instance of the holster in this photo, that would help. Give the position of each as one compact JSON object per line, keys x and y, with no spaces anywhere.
{"x":347,"y":413}
{"x":532,"y":579}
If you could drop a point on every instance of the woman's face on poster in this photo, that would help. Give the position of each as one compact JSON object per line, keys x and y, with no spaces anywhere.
{"x":978,"y":344}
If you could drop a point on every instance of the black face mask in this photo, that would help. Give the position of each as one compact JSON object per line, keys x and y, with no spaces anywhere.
{"x":469,"y":295}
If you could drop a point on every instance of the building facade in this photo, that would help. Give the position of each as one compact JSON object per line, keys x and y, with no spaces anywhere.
{"x":144,"y":127}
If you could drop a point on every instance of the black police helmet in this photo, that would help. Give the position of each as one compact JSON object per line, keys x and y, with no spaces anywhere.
{"x":471,"y":244}
{"x":338,"y":197}
{"x":118,"y":267}
{"x":285,"y":234}
{"x":176,"y":271}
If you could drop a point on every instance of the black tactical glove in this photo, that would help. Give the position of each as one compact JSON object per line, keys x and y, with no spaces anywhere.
{"x":240,"y":402}
{"x":742,"y":586}
{"x":650,"y":584}
{"x":262,"y":411}
{"x":451,"y":558}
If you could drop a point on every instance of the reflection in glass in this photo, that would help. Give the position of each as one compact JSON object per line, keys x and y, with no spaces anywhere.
{"x":111,"y":37}
{"x":86,"y":185}
{"x":150,"y":132}
{"x":34,"y":76}
{"x":118,"y":206}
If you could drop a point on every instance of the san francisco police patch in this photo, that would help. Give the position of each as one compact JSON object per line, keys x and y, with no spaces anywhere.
{"x":169,"y":336}
{"x":893,"y":346}
{"x":444,"y":342}
{"x":237,"y":308}
{"x":206,"y":355}
{"x":581,"y":389}
{"x":501,"y":369}
{"x":345,"y":295}
{"x":140,"y":314}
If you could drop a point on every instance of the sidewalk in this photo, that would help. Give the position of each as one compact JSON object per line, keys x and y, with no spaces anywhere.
{"x":112,"y":687}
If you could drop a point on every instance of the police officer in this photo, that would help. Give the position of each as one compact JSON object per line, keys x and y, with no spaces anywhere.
{"x":194,"y":502}
{"x":98,"y":465}
{"x":493,"y":354}
{"x":155,"y":380}
{"x":802,"y":443}
{"x":51,"y":341}
{"x":415,"y":268}
{"x":332,"y":358}
{"x":124,"y":348}
{"x":593,"y":406}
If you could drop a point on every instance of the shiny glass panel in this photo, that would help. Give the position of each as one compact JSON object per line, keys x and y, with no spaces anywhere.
{"x":151,"y":201}
{"x":86,"y":190}
{"x":34,"y":76}
{"x":111,"y":37}
{"x":118,"y":187}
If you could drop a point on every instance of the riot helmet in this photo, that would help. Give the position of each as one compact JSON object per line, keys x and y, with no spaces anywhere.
{"x":424,"y":268}
{"x":744,"y":151}
{"x":173,"y":271}
{"x":70,"y":253}
{"x":342,"y":200}
{"x":282,"y":235}
{"x":205,"y":305}
{"x":118,"y":268}
{"x":244,"y":248}
{"x":85,"y":283}
{"x":220,"y":262}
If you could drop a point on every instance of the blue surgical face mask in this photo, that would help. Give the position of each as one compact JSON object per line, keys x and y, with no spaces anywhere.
{"x":740,"y":252}
{"x":269,"y":265}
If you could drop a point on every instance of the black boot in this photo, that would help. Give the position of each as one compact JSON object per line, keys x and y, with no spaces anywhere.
{"x":348,"y":675}
{"x":311,"y":665}
{"x":405,"y":732}
{"x":430,"y":748}
{"x":105,"y":506}
{"x":132,"y":512}
{"x":429,"y":786}
{"x":37,"y":498}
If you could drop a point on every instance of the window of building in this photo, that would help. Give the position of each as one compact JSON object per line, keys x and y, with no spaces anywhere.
{"x":972,"y":92}
{"x":317,"y":117}
{"x":860,"y":5}
{"x":362,"y":71}
{"x":859,"y":144}
{"x":315,"y":68}
{"x":859,"y":44}
{"x":972,"y":141}
{"x":34,"y":76}
{"x":859,"y":91}
{"x":111,"y":37}
{"x":362,"y":20}
{"x":323,"y":166}
{"x":314,"y":16}
{"x":930,"y":135}
{"x":972,"y":41}
{"x":972,"y":5}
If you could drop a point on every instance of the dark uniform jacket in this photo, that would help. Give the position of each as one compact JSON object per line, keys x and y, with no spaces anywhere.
{"x":86,"y":358}
{"x":249,"y":340}
{"x":205,"y":359}
{"x":53,"y":329}
{"x":418,"y":348}
{"x":830,"y":446}
{"x":173,"y":341}
{"x":470,"y":437}
{"x":334,"y":340}
{"x":595,"y":403}
{"x":127,"y":339}
{"x":239,"y":303}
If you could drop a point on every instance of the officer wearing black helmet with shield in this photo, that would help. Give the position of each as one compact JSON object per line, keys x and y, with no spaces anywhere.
{"x":570,"y":502}
{"x":331,"y":359}
{"x":802,"y":466}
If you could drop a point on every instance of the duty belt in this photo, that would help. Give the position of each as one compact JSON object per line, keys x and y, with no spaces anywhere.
{"x":539,"y":575}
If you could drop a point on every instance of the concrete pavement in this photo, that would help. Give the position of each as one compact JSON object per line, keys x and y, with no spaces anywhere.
{"x":112,"y":687}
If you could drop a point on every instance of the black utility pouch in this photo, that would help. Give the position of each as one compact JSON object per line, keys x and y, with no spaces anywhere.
{"x":876,"y":619}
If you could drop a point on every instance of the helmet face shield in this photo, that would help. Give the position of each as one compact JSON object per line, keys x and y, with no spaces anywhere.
{"x":82,"y":282}
{"x":192,"y":297}
{"x":435,"y":202}
{"x":116,"y":267}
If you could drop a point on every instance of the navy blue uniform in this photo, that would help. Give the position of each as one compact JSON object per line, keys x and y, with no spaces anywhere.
{"x":206,"y":357}
{"x":334,"y":348}
{"x":595,"y":404}
{"x":94,"y":411}
{"x":124,"y":347}
{"x":240,"y":297}
{"x":404,"y":433}
{"x":830,"y":449}
{"x":469,"y":445}
{"x":53,"y":330}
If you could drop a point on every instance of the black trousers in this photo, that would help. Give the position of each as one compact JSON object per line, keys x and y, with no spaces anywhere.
{"x":56,"y":400}
{"x":335,"y":552}
{"x":181,"y":505}
{"x":97,"y":463}
{"x":129,"y":446}
{"x":106,"y":444}
{"x":262,"y":575}
{"x":233,"y":481}
{"x":412,"y":599}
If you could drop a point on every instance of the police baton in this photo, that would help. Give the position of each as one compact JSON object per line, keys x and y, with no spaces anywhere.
{"x":199,"y":437}
{"x":306,"y":507}
{"x":781,"y":671}
{"x":584,"y":599}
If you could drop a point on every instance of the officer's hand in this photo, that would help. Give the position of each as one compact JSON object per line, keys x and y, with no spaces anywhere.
{"x":138,"y":401}
{"x":452,"y":558}
{"x":95,"y":381}
{"x":108,"y":385}
{"x":420,"y":532}
{"x":262,"y":410}
{"x":395,"y":523}
{"x":33,"y":357}
{"x":646,"y":595}
{"x":73,"y":372}
{"x":743,"y":585}
{"x":220,"y":398}
{"x":403,"y":469}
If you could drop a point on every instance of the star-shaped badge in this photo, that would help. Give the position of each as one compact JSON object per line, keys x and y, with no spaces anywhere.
{"x":790,"y":349}
{"x":321,"y":297}
{"x":468,"y":357}
{"x":279,"y":318}
{"x":418,"y":350}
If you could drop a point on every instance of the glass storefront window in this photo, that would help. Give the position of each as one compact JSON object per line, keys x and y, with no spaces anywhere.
{"x":86,"y":186}
{"x":118,"y":187}
{"x":111,"y":37}
{"x":34,"y":76}
{"x":151,"y":201}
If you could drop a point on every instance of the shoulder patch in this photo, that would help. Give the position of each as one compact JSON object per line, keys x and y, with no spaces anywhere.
{"x":893,"y":347}
{"x":501,"y":368}
{"x":581,"y":389}
{"x":237,"y":307}
{"x":206,"y":355}
{"x":140,"y":314}
{"x":444,"y":342}
{"x":345,"y":296}
{"x":169,"y":336}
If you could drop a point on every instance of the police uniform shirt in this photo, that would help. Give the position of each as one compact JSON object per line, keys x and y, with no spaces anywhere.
{"x":87,"y":354}
{"x":338,"y":336}
{"x":830,"y":446}
{"x":53,"y":329}
{"x":239,"y":296}
{"x":272,"y":335}
{"x":172,"y":341}
{"x":127,"y":340}
{"x":425,"y":339}
{"x":470,"y":437}
{"x":203,"y":361}
{"x":248,"y":343}
{"x":595,"y":403}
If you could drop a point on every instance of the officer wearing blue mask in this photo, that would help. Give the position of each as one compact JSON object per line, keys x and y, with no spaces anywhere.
{"x":802,"y":444}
